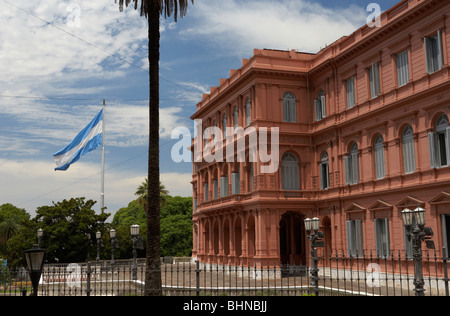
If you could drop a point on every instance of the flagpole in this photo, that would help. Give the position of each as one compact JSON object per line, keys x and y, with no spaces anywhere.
{"x":102,"y":193}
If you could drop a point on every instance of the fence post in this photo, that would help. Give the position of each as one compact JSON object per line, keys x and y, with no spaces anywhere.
{"x":197,"y":277}
{"x":444,"y":260}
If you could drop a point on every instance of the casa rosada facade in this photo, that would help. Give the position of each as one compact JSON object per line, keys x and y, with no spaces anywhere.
{"x":363,"y":133}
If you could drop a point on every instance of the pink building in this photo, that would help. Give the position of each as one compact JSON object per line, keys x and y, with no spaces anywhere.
{"x":363,"y":132}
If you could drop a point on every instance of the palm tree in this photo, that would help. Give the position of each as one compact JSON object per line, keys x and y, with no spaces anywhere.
{"x":10,"y":226}
{"x":142,"y":194}
{"x":152,"y":9}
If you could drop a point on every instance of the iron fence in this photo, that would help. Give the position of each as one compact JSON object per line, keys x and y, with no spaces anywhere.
{"x":339,"y":275}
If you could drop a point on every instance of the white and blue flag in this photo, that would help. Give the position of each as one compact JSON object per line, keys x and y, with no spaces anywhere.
{"x":88,"y":140}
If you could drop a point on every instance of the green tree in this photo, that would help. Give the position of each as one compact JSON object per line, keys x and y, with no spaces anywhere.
{"x":66,"y":224}
{"x":11,"y":220}
{"x":152,"y":9}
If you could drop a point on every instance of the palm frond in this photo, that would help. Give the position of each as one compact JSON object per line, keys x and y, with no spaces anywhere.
{"x":177,"y":8}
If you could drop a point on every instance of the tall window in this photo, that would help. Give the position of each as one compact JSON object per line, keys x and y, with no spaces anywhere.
{"x":352,"y":166}
{"x":236,"y":183}
{"x":216,"y":188}
{"x":355,"y":245}
{"x":250,"y":177}
{"x":290,"y":172}
{"x":289,"y":108}
{"x":224,"y":186}
{"x":382,"y":237}
{"x":409,"y":154}
{"x":351,"y":92}
{"x":320,"y":106}
{"x":402,"y":68}
{"x":248,"y":112}
{"x":439,"y":142}
{"x":225,"y":124}
{"x":433,"y":52}
{"x":380,"y":167}
{"x":206,"y":188}
{"x":324,"y":172}
{"x":236,"y":117}
{"x":374,"y":77}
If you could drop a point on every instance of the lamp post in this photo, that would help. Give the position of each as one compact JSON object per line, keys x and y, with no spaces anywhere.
{"x":114,"y":245}
{"x":316,"y":237}
{"x":40,"y":233}
{"x":416,"y":232}
{"x":88,"y":259}
{"x":98,"y":235}
{"x":137,"y":243}
{"x":35,"y":261}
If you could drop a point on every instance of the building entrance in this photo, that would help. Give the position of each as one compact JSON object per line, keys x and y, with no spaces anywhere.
{"x":292,"y":239}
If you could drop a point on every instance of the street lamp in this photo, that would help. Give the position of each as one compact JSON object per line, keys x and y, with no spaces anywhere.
{"x":35,"y":261}
{"x":137,"y":243}
{"x":316,"y":237}
{"x":114,"y":245}
{"x":416,"y":232}
{"x":40,"y":233}
{"x":98,"y":235}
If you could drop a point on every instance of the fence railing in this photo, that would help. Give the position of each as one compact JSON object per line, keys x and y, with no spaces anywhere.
{"x":338,"y":275}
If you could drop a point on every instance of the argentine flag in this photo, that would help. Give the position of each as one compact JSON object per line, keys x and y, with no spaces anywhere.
{"x":88,"y":140}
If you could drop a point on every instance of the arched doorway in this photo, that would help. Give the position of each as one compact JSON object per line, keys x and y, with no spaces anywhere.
{"x":292,"y":239}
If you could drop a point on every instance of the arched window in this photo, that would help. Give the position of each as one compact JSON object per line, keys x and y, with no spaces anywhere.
{"x":320,"y":106}
{"x":248,"y":112}
{"x":324,"y":172}
{"x":380,"y":166}
{"x":440,"y":143}
{"x":409,"y":155}
{"x":290,"y":172}
{"x":289,"y":108}
{"x":352,"y":166}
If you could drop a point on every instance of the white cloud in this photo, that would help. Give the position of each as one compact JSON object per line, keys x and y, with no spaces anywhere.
{"x":29,"y":184}
{"x":240,"y":26}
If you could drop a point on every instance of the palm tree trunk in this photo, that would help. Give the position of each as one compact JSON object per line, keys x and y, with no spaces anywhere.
{"x":153,"y":286}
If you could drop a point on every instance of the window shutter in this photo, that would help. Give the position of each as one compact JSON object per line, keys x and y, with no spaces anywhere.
{"x":318,"y":110}
{"x":447,"y":144}
{"x":235,"y":183}
{"x":293,"y":111}
{"x":206,"y":191}
{"x":387,"y":239}
{"x":355,"y":169}
{"x":428,"y":54}
{"x":327,"y":176}
{"x":359,"y":238}
{"x":348,"y":173}
{"x":432,"y":139}
{"x":377,"y":82}
{"x":323,"y":105}
{"x":351,"y":93}
{"x":372,"y":82}
{"x":445,"y":233}
{"x":223,"y":186}
{"x":349,"y":238}
{"x":440,"y":55}
{"x":285,"y":110}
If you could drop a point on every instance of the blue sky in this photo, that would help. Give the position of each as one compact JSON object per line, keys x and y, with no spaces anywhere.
{"x":55,"y":75}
